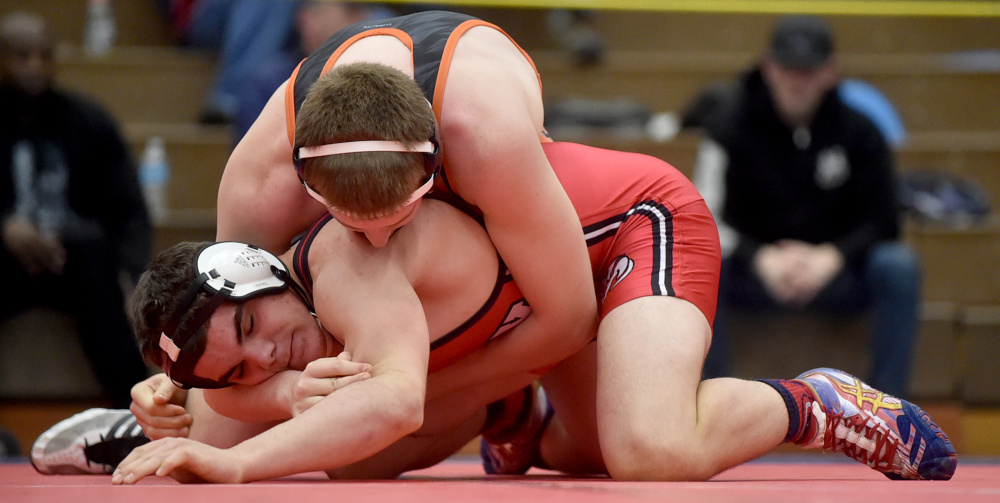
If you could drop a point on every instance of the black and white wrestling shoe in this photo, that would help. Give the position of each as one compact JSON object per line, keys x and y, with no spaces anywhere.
{"x":93,"y":441}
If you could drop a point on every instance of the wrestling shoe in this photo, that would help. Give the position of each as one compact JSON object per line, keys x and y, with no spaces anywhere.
{"x":93,"y":441}
{"x":890,"y":435}
{"x":515,"y":450}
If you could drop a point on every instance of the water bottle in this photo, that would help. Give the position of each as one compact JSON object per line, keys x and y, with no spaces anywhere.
{"x":99,"y":35}
{"x":154,"y":175}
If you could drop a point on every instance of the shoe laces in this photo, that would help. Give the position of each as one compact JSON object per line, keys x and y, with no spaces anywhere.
{"x":863,"y":439}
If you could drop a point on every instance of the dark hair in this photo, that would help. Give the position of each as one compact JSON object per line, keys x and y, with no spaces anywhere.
{"x":159,"y":291}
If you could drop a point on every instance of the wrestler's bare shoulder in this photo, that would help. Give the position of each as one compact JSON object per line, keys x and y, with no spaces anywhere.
{"x":486,"y":63}
{"x":484,"y":48}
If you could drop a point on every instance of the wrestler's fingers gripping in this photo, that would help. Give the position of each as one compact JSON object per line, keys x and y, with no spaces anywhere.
{"x":168,"y":393}
{"x":157,"y":412}
{"x":151,"y":396}
{"x":339,"y":382}
{"x":156,"y":433}
{"x":142,"y":392}
{"x":335,"y":367}
{"x":310,"y":391}
{"x":305,"y":404}
{"x":163,"y":421}
{"x":309,"y":387}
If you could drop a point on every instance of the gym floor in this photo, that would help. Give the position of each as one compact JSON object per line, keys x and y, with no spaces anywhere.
{"x":772,"y":479}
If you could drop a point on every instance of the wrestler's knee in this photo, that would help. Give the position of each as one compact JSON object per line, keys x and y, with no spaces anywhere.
{"x":636,"y":453}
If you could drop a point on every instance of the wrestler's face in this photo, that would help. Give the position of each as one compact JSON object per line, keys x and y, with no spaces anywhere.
{"x":377,"y":230}
{"x":249,"y":342}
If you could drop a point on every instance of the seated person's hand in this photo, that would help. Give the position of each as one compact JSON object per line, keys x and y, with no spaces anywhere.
{"x":37,"y":252}
{"x":772,"y":266}
{"x":158,"y":406}
{"x":324,"y":376}
{"x":816,"y":267}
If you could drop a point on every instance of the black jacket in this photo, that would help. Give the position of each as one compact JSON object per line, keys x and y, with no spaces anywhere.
{"x":103,"y":187}
{"x":839,"y":189}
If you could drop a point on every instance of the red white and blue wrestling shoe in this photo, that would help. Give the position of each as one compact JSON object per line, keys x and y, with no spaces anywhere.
{"x":890,"y":435}
{"x":515,"y":450}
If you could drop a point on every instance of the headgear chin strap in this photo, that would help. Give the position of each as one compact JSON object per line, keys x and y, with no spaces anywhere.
{"x":227,"y":271}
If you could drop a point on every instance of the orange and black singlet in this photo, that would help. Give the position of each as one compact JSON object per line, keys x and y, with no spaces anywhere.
{"x":431,"y":37}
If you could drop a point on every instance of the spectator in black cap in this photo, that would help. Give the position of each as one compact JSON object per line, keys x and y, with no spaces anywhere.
{"x":803,"y":189}
{"x":801,"y":42}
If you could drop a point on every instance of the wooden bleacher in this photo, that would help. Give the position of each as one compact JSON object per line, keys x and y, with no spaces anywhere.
{"x":147,"y":84}
{"x":931,"y":91}
{"x":658,"y":59}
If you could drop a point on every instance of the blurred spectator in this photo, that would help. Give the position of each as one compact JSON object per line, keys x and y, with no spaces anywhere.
{"x":256,"y":40}
{"x":859,"y":95}
{"x":315,"y":21}
{"x":803,"y":188}
{"x":244,"y":32}
{"x":573,"y":30}
{"x":75,"y":228}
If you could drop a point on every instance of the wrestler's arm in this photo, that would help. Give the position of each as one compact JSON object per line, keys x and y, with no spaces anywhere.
{"x":497,"y":163}
{"x":365,"y":417}
{"x":260,"y":198}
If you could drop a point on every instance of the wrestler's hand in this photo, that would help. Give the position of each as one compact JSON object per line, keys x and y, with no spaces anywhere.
{"x":158,"y":406}
{"x":182,"y":459}
{"x":324,"y":376}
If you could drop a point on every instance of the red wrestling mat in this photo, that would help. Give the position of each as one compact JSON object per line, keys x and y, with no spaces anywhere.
{"x":463,"y":481}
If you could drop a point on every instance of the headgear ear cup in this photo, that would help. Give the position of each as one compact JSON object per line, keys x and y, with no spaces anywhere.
{"x":246,"y":270}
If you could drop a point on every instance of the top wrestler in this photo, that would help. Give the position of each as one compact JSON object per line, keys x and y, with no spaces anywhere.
{"x":486,"y":99}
